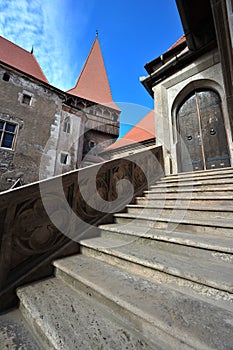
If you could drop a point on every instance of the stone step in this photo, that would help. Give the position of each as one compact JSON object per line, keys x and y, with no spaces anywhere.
{"x":183,"y":191}
{"x":190,"y":194}
{"x":198,"y":201}
{"x":159,"y":278}
{"x":204,"y":177}
{"x":200,"y":266}
{"x":170,"y":318}
{"x":202,"y":173}
{"x":218,"y":244}
{"x":199,"y":225}
{"x":15,"y":333}
{"x":189,"y":211}
{"x":67,"y":319}
{"x":195,"y":183}
{"x":224,"y":186}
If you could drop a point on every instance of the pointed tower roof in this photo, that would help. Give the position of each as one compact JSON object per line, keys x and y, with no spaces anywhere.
{"x":93,"y":83}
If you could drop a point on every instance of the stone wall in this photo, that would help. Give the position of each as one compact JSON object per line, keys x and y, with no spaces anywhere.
{"x":101,"y":129}
{"x":230,"y":16}
{"x":53,"y":131}
{"x":35,"y":118}
{"x":205,"y":72}
{"x":95,"y":142}
{"x":70,"y":142}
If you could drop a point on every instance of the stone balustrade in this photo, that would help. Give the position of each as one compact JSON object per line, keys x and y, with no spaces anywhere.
{"x":46,"y":220}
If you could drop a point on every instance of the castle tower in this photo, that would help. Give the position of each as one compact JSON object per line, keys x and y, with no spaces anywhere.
{"x":92,"y":91}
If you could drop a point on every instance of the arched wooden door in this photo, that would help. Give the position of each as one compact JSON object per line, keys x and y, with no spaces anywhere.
{"x":202,"y":142}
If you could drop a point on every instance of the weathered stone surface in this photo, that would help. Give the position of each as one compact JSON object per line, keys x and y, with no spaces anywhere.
{"x":34,"y":120}
{"x":152,"y":282}
{"x":191,"y":320}
{"x":70,"y":320}
{"x":199,"y":225}
{"x":215,"y":243}
{"x":45,"y":220}
{"x":225,"y":173}
{"x":194,"y":264}
{"x":14,"y":333}
{"x":182,"y":211}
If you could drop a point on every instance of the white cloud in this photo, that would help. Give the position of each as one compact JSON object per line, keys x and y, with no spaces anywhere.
{"x":54,"y":28}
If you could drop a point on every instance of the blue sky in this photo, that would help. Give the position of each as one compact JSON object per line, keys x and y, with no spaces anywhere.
{"x":131,"y":33}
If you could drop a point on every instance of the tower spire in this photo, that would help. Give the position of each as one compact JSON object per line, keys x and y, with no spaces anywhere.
{"x":93,"y":84}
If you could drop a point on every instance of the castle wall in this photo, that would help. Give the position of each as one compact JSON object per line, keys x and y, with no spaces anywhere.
{"x":33,"y":109}
{"x":205,"y":72}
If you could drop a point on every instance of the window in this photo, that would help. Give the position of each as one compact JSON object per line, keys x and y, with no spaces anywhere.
{"x":92,"y":144}
{"x":7,"y":134}
{"x":98,"y":112}
{"x":6,"y":77}
{"x":64,"y":158}
{"x":115,"y":117}
{"x":66,"y":126}
{"x":26,"y":99}
{"x":107,"y":114}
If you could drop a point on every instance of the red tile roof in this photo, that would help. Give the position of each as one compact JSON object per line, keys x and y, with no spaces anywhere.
{"x":178,"y":42}
{"x":92,"y":83}
{"x":17,"y":57}
{"x":142,"y":131}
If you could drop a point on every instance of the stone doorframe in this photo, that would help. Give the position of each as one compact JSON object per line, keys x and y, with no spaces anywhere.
{"x":194,"y":85}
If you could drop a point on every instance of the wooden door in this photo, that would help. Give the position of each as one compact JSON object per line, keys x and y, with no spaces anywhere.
{"x":202,"y":142}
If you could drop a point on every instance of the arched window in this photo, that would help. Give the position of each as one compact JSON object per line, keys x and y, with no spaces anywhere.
{"x":98,"y":111}
{"x":202,"y":140}
{"x":115,"y":117}
{"x":66,"y":125}
{"x":6,"y":76}
{"x":107,"y":114}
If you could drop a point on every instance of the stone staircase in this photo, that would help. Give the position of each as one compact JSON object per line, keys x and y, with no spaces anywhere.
{"x":160,"y":277}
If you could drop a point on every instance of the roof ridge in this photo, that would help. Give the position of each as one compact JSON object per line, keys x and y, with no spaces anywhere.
{"x":15,"y":44}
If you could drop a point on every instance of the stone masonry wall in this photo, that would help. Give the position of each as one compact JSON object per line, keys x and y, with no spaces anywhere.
{"x":205,"y":72}
{"x":36,"y":120}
